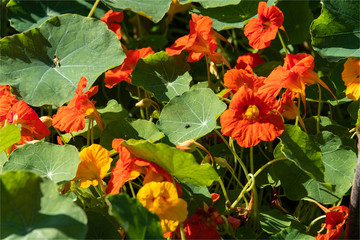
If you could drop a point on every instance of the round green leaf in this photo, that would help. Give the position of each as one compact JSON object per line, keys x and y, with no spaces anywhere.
{"x":292,"y":234}
{"x":32,"y":208}
{"x":190,"y":115}
{"x":136,"y":220}
{"x":165,"y":76}
{"x":152,"y":9}
{"x":25,"y":14}
{"x":273,"y":221}
{"x":9,"y":135}
{"x":27,"y":59}
{"x":177,"y":163}
{"x":212,"y":3}
{"x":59,"y":163}
{"x":298,"y":147}
{"x":336,"y":33}
{"x":231,"y":16}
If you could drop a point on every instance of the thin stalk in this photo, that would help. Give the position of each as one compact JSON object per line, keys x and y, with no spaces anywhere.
{"x":255,"y":210}
{"x":282,"y":43}
{"x":104,"y":92}
{"x":319,"y":110}
{"x":314,"y":221}
{"x":132,"y":189}
{"x":92,"y":130}
{"x":298,"y":112}
{"x":223,"y":189}
{"x":93,"y":8}
{"x":182,"y":234}
{"x":208,"y":72}
{"x":88,"y":135}
{"x":61,"y":136}
{"x":139,"y":98}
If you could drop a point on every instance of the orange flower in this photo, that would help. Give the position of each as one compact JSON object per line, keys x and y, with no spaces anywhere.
{"x":7,"y":100}
{"x":162,"y":199}
{"x":248,"y":62}
{"x":287,"y":107}
{"x":129,"y":168}
{"x":31,"y":126}
{"x":350,"y":76}
{"x":236,"y":78}
{"x":199,"y":42}
{"x":250,"y":118}
{"x":261,"y":30}
{"x":95,"y":163}
{"x":334,"y":222}
{"x":123,"y":72}
{"x":71,"y":118}
{"x":296,"y":73}
{"x":113,"y":20}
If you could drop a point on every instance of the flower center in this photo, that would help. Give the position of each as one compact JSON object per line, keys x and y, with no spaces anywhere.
{"x":252,"y":112}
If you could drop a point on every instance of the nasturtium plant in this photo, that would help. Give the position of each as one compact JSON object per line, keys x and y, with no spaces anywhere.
{"x":179,"y":119}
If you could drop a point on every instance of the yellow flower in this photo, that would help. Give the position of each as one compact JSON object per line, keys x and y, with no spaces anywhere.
{"x":162,"y":199}
{"x":350,"y":76}
{"x":95,"y":163}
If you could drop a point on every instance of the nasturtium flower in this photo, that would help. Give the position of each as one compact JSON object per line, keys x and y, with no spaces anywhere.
{"x":199,"y":42}
{"x":162,"y":199}
{"x":7,"y":100}
{"x":248,"y":62}
{"x":129,"y":168}
{"x":123,"y":72}
{"x":351,"y":78}
{"x":261,"y":30}
{"x":236,"y":78}
{"x":23,"y":115}
{"x":95,"y":163}
{"x":288,"y":108}
{"x":71,"y":118}
{"x":113,"y":20}
{"x":251,"y":118}
{"x":334,"y":222}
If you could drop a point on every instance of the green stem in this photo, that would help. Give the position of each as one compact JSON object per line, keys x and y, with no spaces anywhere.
{"x":93,"y":8}
{"x":61,"y":136}
{"x":139,"y":98}
{"x":314,"y":221}
{"x":182,"y":233}
{"x":298,"y":112}
{"x":319,"y":110}
{"x":208,"y":72}
{"x":255,"y":208}
{"x":282,"y":43}
{"x":223,"y":189}
{"x":91,"y":122}
{"x":132,"y":189}
{"x":88,"y":135}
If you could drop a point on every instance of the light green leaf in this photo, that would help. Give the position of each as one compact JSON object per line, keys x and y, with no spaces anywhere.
{"x":152,"y":9}
{"x":165,"y":76}
{"x":59,"y":163}
{"x":212,"y":3}
{"x":292,"y":234}
{"x":273,"y":221}
{"x":24,"y":14}
{"x":9,"y":135}
{"x":336,"y":33}
{"x":134,"y":218}
{"x":27,"y":59}
{"x":230,"y":16}
{"x":190,"y":115}
{"x":177,"y":163}
{"x":32,"y":208}
{"x":298,"y":147}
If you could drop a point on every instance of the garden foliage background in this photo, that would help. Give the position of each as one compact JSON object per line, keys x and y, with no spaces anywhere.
{"x":79,"y":178}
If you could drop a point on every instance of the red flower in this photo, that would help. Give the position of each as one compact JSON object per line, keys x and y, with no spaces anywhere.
{"x":113,"y":20}
{"x":129,"y":167}
{"x":236,"y":78}
{"x":199,"y":42}
{"x":334,"y":222}
{"x":250,"y":118}
{"x":248,"y":62}
{"x":203,"y":224}
{"x":7,"y":100}
{"x":123,"y":72}
{"x":71,"y":118}
{"x":261,"y":30}
{"x":31,"y":125}
{"x":287,"y":108}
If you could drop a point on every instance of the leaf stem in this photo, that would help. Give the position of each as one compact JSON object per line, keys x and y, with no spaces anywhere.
{"x":282,"y":43}
{"x":182,"y":233}
{"x":319,"y":110}
{"x":93,"y":8}
{"x":132,"y":189}
{"x":208,"y":72}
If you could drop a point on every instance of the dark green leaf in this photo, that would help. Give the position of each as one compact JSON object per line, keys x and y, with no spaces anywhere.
{"x":195,"y":197}
{"x":135,"y":219}
{"x":99,"y":226}
{"x":27,"y":59}
{"x":59,"y":163}
{"x":336,"y":33}
{"x":273,"y":221}
{"x":165,"y":76}
{"x":32,"y":208}
{"x":292,"y":234}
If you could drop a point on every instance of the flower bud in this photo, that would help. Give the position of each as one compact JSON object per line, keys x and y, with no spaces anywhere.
{"x":144,"y":103}
{"x":46,"y":120}
{"x":221,"y":161}
{"x":213,"y":70}
{"x":187,"y":146}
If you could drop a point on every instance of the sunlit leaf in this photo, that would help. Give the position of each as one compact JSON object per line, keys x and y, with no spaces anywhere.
{"x":165,"y":76}
{"x":190,"y":115}
{"x":59,"y":163}
{"x":9,"y":135}
{"x":134,"y":218}
{"x":32,"y":208}
{"x":27,"y":59}
{"x":179,"y":164}
{"x":336,"y":33}
{"x":24,"y":14}
{"x":152,"y":9}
